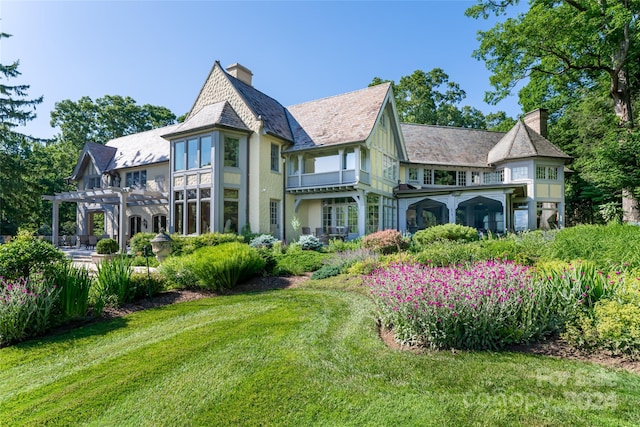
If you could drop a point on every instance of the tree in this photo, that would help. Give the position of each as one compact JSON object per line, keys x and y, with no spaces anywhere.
{"x":106,"y":118}
{"x":564,"y":48}
{"x":430,"y":98}
{"x":16,"y":109}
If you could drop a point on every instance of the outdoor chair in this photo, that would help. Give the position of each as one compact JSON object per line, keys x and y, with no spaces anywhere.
{"x":92,"y":241}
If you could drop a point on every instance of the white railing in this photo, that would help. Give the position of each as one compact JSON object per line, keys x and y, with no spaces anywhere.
{"x":322,"y":179}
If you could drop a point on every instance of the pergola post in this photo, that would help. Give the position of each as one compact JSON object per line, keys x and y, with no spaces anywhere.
{"x":122,"y":226}
{"x":55,"y":222}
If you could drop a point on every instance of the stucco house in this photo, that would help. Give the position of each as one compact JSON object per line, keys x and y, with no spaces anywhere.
{"x":344,"y":166}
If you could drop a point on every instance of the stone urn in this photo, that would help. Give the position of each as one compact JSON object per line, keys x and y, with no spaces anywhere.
{"x":161,"y":245}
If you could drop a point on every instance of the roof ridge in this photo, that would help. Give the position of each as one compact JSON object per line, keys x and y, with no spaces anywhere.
{"x":388,"y":84}
{"x":454,"y":127}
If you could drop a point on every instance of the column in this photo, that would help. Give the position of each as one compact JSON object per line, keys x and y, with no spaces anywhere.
{"x":122,"y":226}
{"x":55,"y":222}
{"x":362,"y":211}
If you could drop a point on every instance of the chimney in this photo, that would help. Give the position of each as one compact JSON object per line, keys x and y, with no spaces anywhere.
{"x":537,"y":120}
{"x":240,"y":72}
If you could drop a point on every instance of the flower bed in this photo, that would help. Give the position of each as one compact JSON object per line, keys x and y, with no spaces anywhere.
{"x":485,"y":306}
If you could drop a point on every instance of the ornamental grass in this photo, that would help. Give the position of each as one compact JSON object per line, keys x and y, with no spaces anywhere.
{"x":487,"y":305}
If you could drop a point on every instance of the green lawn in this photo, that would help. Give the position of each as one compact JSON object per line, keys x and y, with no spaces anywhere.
{"x":305,"y":356}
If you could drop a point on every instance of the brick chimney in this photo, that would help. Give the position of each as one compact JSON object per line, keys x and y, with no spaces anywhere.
{"x":240,"y":72}
{"x":537,"y":120}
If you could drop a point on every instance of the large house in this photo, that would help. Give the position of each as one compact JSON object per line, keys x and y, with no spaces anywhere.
{"x":344,"y":166}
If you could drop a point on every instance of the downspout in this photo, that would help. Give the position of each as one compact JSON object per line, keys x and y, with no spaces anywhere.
{"x":284,"y":198}
{"x":248,"y":184}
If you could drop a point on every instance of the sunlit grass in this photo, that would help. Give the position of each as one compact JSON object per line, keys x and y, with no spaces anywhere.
{"x":306,"y":356}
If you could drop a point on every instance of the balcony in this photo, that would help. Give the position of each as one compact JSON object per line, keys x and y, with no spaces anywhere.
{"x":325,"y":181}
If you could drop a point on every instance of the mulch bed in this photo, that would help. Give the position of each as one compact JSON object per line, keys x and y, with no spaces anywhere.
{"x":553,"y":347}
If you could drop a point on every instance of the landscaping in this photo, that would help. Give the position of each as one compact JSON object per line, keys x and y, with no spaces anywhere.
{"x":269,"y":354}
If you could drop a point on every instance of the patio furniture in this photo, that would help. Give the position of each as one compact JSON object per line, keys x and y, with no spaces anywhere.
{"x":339,"y":232}
{"x":92,"y":241}
{"x":306,"y":231}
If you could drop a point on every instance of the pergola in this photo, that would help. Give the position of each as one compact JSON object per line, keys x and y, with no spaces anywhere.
{"x":120,"y":197}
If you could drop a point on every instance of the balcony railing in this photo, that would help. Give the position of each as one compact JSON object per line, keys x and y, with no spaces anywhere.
{"x":324,"y":179}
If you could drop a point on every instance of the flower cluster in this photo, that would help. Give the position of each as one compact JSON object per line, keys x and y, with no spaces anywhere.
{"x":485,"y":306}
{"x":25,"y":308}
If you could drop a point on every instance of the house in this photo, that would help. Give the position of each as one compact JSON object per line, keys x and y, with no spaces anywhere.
{"x":344,"y":166}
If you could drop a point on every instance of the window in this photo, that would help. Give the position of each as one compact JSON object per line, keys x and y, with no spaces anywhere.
{"x":462,"y":178}
{"x":205,"y":151}
{"x":442,"y":177}
{"x":413,"y":174}
{"x":520,"y":172}
{"x":475,"y":178}
{"x":547,"y":215}
{"x":352,"y":217}
{"x":159,"y":222}
{"x":178,"y":156}
{"x":427,"y":179}
{"x":389,"y":168}
{"x":92,"y":182}
{"x":521,"y":216}
{"x":547,"y":172}
{"x":231,"y":198}
{"x":493,"y":177}
{"x":137,"y":179}
{"x":192,"y":215}
{"x":135,"y":225}
{"x":388,"y":213}
{"x":179,"y":218}
{"x":231,"y":148}
{"x":192,"y":154}
{"x":373,"y":213}
{"x":275,"y":158}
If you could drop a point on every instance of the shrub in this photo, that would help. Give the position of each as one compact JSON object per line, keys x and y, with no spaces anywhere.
{"x":140,"y":241}
{"x":326,"y":271}
{"x":263,"y":241}
{"x":613,"y":326}
{"x":26,"y":308}
{"x":339,"y":245}
{"x":144,"y":284}
{"x":607,"y":246}
{"x":269,"y":258}
{"x":113,"y":283}
{"x":385,"y":241}
{"x":486,"y":306}
{"x":178,"y":273}
{"x":141,"y":261}
{"x":26,"y":254}
{"x":107,"y":246}
{"x":222,"y":267}
{"x":452,"y":232}
{"x":297,"y":262}
{"x":342,"y":261}
{"x":74,"y":284}
{"x":442,"y":254}
{"x":185,"y":245}
{"x":309,"y":243}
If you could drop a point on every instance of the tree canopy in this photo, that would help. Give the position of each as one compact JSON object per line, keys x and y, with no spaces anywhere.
{"x":109,"y":117}
{"x":430,"y":98}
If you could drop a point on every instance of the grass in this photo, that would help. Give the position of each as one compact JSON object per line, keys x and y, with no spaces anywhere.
{"x":305,"y":356}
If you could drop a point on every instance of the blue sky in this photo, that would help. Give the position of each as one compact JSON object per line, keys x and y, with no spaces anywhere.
{"x":160,"y":52}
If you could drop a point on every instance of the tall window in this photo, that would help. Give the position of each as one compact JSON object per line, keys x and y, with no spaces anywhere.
{"x":205,"y":151}
{"x":373,"y":213}
{"x":178,"y":224}
{"x":205,"y":210}
{"x":427,"y":179}
{"x":231,"y":149}
{"x":192,"y":211}
{"x":136,"y":179}
{"x":231,"y":199}
{"x":192,"y":154}
{"x":475,"y":178}
{"x":413,"y":174}
{"x":135,"y":225}
{"x":389,"y":170}
{"x":462,"y":178}
{"x":178,"y":158}
{"x":159,"y":223}
{"x":275,"y":158}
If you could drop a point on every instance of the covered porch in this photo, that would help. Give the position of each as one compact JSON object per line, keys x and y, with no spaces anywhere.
{"x":488,"y":209}
{"x":114,"y":202}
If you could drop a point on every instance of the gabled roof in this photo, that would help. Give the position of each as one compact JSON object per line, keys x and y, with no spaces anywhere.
{"x":349,"y":117}
{"x":522,"y":142}
{"x":270,"y":111}
{"x":140,"y":149}
{"x":218,"y":114}
{"x":99,"y":154}
{"x":448,"y":146}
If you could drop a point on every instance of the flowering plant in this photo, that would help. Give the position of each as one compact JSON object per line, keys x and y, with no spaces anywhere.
{"x":485,"y":306}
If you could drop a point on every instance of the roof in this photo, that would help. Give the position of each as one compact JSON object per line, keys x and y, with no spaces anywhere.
{"x":270,"y":111}
{"x":140,"y":149}
{"x":100,"y":155}
{"x":440,"y":145}
{"x":522,"y":142}
{"x":349,"y":117}
{"x":218,"y":114}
